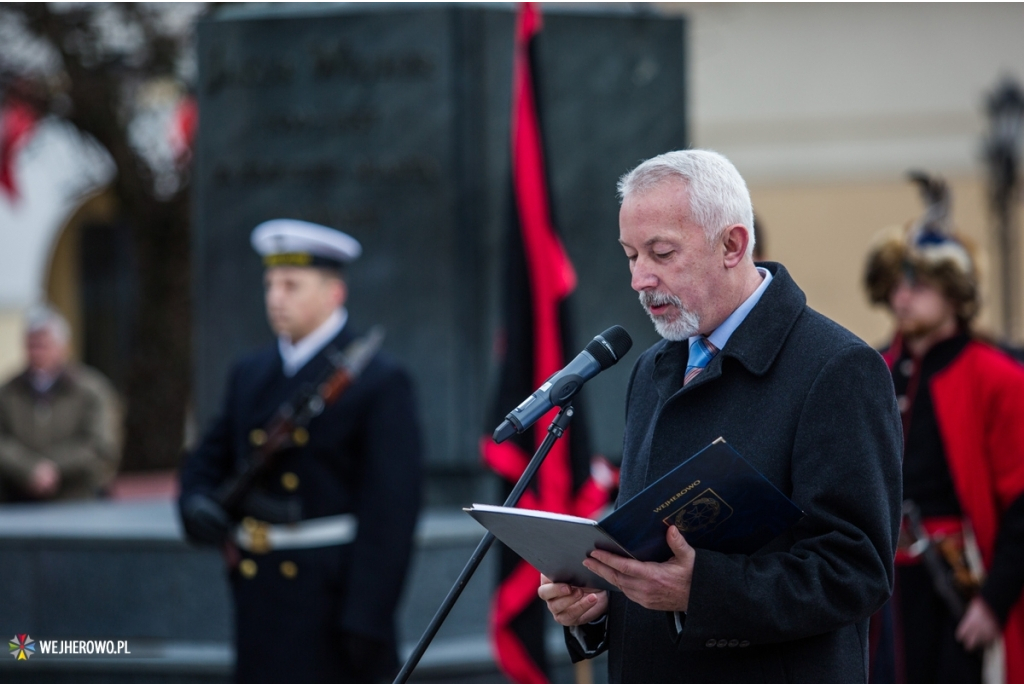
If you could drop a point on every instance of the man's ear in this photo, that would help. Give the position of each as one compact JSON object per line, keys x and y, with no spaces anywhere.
{"x":734,"y":243}
{"x":342,"y":292}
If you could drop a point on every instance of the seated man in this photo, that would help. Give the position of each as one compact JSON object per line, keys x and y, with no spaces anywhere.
{"x":59,"y":422}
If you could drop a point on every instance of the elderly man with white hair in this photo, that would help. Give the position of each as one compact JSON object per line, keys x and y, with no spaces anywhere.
{"x":59,"y":422}
{"x":809,"y":404}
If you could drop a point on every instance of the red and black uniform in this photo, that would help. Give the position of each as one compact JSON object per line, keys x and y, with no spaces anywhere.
{"x":962,"y":406}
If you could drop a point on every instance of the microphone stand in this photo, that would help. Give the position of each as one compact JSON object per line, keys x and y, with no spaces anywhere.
{"x":555,"y":431}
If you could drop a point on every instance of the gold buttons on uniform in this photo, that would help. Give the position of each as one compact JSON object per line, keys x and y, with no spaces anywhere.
{"x":289,"y":570}
{"x":290,"y":481}
{"x":258,"y":535}
{"x":247,"y":567}
{"x":258,"y":437}
{"x":300,"y":436}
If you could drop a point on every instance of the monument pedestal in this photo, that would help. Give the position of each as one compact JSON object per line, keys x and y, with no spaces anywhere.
{"x":122,"y":571}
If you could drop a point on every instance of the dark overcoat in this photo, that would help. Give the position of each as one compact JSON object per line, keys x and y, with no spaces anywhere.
{"x":363,"y":457}
{"x":812,"y":407}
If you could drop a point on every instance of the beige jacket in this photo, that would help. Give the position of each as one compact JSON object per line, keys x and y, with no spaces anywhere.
{"x":76,"y":424}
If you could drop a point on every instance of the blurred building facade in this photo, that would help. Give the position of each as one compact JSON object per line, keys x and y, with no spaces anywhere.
{"x":59,"y":179}
{"x":823,"y":108}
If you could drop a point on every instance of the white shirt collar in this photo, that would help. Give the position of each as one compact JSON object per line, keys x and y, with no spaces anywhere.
{"x":42,"y":381}
{"x":721,"y":335}
{"x":294,"y":357}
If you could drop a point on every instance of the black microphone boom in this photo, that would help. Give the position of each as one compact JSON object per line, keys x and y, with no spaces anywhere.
{"x":601,"y":352}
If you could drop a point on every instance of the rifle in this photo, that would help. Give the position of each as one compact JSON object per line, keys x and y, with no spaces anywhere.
{"x":288,"y":427}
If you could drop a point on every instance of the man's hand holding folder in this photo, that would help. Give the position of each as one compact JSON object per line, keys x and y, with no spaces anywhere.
{"x":572,"y":606}
{"x":657,"y":586}
{"x":661,"y":586}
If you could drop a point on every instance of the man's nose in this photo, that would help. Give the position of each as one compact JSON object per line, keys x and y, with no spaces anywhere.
{"x":900,"y":293}
{"x":643,"y":278}
{"x":273,"y":294}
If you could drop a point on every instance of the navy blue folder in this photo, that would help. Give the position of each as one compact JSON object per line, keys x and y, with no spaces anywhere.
{"x":716,"y":499}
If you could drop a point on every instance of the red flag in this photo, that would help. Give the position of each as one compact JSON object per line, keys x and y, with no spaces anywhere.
{"x":535,"y":346}
{"x":17,"y":121}
{"x":183,"y":129}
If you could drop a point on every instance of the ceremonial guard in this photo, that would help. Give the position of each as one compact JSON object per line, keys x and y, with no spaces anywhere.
{"x":310,"y":477}
{"x":960,"y":562}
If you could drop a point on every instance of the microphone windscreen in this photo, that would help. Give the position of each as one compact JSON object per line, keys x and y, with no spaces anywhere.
{"x":619,"y":339}
{"x":610,"y":346}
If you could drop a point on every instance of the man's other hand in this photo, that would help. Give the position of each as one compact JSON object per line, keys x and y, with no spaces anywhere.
{"x":660,"y":587}
{"x":572,"y":606}
{"x":205,"y":520}
{"x":367,"y":660}
{"x":979,"y":627}
{"x":44,"y":479}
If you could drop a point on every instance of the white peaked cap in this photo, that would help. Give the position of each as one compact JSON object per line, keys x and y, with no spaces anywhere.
{"x":290,"y":242}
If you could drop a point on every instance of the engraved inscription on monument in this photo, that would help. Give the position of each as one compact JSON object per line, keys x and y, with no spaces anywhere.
{"x":391,"y":123}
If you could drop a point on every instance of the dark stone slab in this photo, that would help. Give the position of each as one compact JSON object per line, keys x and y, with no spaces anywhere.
{"x":345,"y":119}
{"x":108,"y":570}
{"x":391,"y":123}
{"x":121,"y":571}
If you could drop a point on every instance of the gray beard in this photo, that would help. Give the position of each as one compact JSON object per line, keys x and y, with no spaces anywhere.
{"x":684,"y":325}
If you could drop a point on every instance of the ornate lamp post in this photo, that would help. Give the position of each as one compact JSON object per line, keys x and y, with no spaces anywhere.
{"x":1002,"y":153}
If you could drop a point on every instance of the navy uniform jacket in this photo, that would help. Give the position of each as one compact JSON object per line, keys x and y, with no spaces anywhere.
{"x":812,"y":407}
{"x":363,"y":457}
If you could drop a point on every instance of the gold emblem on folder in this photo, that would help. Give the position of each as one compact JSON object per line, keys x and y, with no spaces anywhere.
{"x":700,"y":515}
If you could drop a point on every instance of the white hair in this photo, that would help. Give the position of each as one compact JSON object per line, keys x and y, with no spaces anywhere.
{"x":718,"y":194}
{"x":43,"y":318}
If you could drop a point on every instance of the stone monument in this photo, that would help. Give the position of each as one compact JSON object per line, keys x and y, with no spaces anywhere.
{"x":391,"y":123}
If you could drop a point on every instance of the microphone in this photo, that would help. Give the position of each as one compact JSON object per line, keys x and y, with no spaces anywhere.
{"x":600,"y":353}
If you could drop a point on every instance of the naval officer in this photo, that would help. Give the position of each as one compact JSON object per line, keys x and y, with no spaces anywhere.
{"x":318,"y":550}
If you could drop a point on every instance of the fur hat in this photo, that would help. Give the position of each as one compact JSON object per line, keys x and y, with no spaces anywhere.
{"x":926,"y":250}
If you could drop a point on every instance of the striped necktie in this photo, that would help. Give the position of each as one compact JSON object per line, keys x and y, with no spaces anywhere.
{"x":701,"y":352}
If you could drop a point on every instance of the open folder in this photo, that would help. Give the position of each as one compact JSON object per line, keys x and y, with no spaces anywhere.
{"x":716,"y":499}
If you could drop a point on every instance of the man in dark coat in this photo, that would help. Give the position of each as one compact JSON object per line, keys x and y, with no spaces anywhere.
{"x":318,"y":551}
{"x":805,"y":401}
